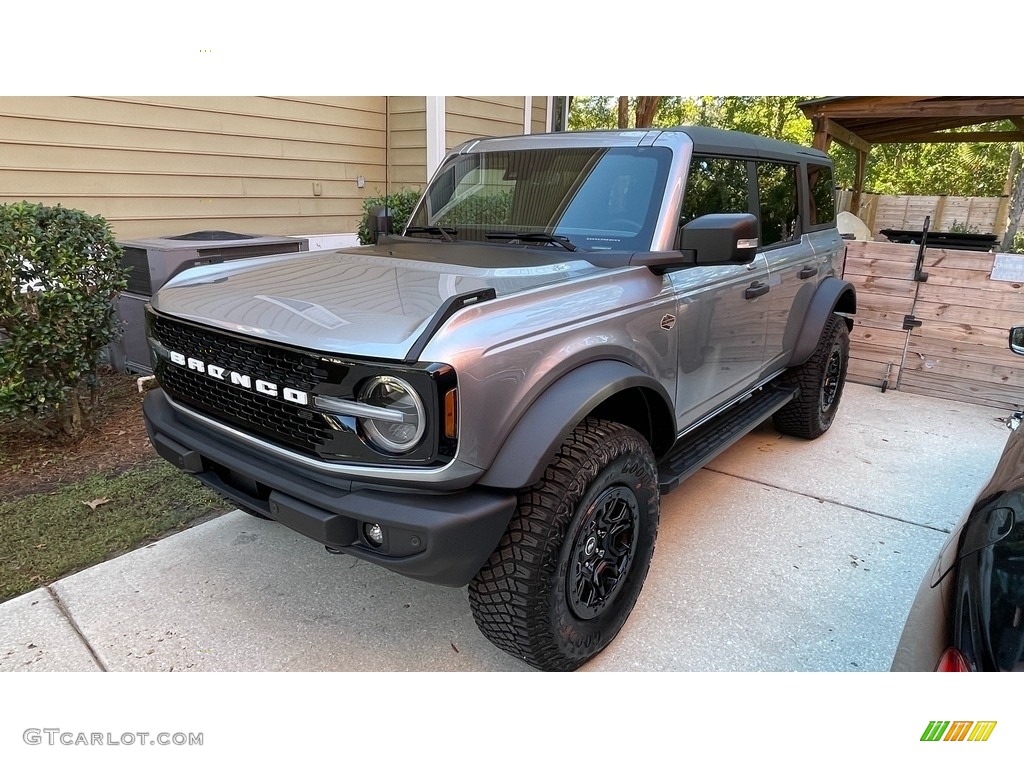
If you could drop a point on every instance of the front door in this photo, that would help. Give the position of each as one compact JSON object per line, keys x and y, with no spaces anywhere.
{"x":721,"y":327}
{"x":722,"y":311}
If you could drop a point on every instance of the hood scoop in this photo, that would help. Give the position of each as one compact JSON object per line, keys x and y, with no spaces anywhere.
{"x":445,"y":311}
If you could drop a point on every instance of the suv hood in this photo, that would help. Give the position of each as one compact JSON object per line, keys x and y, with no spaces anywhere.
{"x":372,"y":301}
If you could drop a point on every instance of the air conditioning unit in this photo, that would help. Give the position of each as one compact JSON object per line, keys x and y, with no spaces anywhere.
{"x":153,"y":261}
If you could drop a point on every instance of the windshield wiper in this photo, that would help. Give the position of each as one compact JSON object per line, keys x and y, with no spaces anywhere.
{"x":533,"y":237}
{"x":444,"y":232}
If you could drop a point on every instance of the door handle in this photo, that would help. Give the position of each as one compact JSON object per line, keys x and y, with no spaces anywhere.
{"x":807,"y":272}
{"x":756,"y":289}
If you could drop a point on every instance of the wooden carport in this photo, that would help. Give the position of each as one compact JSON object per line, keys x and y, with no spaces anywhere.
{"x":860,"y":122}
{"x":939,"y":327}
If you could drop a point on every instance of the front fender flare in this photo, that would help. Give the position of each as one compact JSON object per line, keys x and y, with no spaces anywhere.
{"x":531,"y":445}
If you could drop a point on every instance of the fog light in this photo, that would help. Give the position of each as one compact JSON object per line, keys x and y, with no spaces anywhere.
{"x":373,"y":533}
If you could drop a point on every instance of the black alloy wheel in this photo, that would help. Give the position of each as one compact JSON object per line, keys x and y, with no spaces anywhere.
{"x":603,"y":551}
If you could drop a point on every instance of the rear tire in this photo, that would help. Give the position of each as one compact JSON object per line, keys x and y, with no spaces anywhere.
{"x":571,"y":565}
{"x":821,"y":380}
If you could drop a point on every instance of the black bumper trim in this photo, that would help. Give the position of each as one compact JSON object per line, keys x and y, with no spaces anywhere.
{"x":438,"y":538}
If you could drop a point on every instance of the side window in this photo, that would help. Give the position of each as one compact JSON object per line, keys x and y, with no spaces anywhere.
{"x":776,"y":190}
{"x":823,"y":196}
{"x":715,"y":185}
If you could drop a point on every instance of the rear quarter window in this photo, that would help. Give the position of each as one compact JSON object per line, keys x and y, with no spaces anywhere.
{"x":823,"y":195}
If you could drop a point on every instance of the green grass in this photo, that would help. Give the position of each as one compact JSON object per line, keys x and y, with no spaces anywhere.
{"x":48,"y":535}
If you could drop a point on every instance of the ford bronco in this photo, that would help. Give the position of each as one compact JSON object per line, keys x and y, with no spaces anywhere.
{"x":569,"y":326}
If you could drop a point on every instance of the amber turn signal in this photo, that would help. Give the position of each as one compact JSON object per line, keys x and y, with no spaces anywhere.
{"x":451,"y":413}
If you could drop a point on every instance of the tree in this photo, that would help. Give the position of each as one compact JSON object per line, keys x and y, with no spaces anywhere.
{"x":774,"y":116}
{"x":969,"y":170}
{"x":646,"y":109}
{"x":588,"y":113}
{"x":1016,"y":201}
{"x":678,"y":110}
{"x":909,"y":169}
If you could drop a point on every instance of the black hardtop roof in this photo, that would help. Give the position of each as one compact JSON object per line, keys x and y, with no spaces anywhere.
{"x":708,"y":141}
{"x":719,"y":141}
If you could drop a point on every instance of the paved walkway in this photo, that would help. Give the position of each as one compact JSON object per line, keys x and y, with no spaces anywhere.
{"x":780,"y":555}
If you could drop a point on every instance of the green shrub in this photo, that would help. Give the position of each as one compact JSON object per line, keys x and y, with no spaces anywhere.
{"x":59,"y":274}
{"x":494,"y":209}
{"x":401,"y":205}
{"x":962,"y":229}
{"x":1018,"y":243}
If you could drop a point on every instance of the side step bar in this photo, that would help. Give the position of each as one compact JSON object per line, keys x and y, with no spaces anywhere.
{"x":707,"y":441}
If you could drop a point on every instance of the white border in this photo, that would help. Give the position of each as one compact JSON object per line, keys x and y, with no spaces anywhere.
{"x":515,"y":719}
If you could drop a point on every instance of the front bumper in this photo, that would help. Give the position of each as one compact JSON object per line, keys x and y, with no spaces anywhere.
{"x":442,"y":538}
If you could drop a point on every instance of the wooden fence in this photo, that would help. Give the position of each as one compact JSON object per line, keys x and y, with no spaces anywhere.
{"x":985,"y":215}
{"x":960,"y":350}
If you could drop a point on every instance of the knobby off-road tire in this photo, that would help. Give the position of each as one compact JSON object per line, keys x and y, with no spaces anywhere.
{"x":570,"y":567}
{"x":821,"y":381}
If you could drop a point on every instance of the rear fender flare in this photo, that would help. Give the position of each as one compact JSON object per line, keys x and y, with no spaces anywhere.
{"x":832,"y":295}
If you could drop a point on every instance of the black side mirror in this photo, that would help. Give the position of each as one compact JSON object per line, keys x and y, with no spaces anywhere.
{"x":721,"y":238}
{"x":380,"y":222}
{"x":1017,"y":339}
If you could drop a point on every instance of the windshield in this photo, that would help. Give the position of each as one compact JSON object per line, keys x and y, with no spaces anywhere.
{"x":594,"y":198}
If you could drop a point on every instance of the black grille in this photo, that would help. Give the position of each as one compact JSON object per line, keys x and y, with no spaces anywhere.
{"x":277,"y":420}
{"x":282,"y":422}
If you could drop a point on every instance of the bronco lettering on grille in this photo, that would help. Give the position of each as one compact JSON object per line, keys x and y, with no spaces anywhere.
{"x":268,"y":388}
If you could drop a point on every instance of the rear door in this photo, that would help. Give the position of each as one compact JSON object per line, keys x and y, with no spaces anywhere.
{"x":787,"y":251}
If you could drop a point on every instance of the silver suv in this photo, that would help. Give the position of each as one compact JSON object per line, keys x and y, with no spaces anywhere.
{"x":570,"y":325}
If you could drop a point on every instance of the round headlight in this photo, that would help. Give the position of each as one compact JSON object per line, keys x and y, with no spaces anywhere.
{"x":403,"y":428}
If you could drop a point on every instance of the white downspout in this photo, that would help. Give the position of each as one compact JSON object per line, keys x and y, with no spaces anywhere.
{"x":435,"y":133}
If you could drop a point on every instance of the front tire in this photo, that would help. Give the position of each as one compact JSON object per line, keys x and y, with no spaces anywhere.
{"x":571,"y":565}
{"x":821,"y":380}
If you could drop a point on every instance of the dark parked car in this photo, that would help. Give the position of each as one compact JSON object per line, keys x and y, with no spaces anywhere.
{"x":969,"y":612}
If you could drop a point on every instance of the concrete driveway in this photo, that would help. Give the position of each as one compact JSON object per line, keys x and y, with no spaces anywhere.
{"x":780,"y":555}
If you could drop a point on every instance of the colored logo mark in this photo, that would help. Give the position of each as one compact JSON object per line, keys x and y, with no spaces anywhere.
{"x":958,"y":730}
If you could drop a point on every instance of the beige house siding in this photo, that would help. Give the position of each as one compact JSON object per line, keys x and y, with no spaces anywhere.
{"x":165,"y":165}
{"x":466,"y":117}
{"x":407,"y":156}
{"x":263,"y":165}
{"x":469,"y":117}
{"x":539,"y":120}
